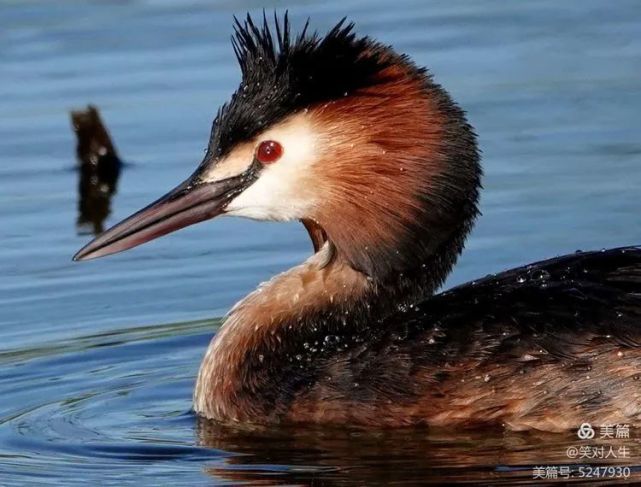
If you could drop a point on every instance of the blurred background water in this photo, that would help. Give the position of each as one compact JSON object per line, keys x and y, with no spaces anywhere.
{"x":97,"y":360}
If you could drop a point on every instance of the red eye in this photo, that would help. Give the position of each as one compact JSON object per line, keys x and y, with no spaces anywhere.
{"x":269,"y":151}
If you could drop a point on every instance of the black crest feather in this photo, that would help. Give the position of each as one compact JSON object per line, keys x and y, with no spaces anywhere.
{"x":282,"y":74}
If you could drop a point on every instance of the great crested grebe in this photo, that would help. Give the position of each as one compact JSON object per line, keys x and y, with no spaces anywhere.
{"x":382,"y":168}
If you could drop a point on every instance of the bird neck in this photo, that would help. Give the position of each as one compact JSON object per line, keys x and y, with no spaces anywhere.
{"x":262,"y":355}
{"x":242,"y":368}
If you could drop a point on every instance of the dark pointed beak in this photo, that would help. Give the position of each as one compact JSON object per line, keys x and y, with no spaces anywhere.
{"x":191,"y":202}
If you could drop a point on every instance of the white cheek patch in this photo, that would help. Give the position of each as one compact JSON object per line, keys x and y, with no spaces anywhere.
{"x":282,"y":190}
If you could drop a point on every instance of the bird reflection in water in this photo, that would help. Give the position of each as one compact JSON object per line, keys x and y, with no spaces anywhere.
{"x":408,"y":456}
{"x":98,"y":168}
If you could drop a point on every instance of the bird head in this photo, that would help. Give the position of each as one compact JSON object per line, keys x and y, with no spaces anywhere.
{"x":340,"y":132}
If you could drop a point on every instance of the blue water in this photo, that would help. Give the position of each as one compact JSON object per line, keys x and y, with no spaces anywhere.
{"x":98,"y":359}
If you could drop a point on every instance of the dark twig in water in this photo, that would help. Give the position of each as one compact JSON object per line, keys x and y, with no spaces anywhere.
{"x":99,"y":169}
